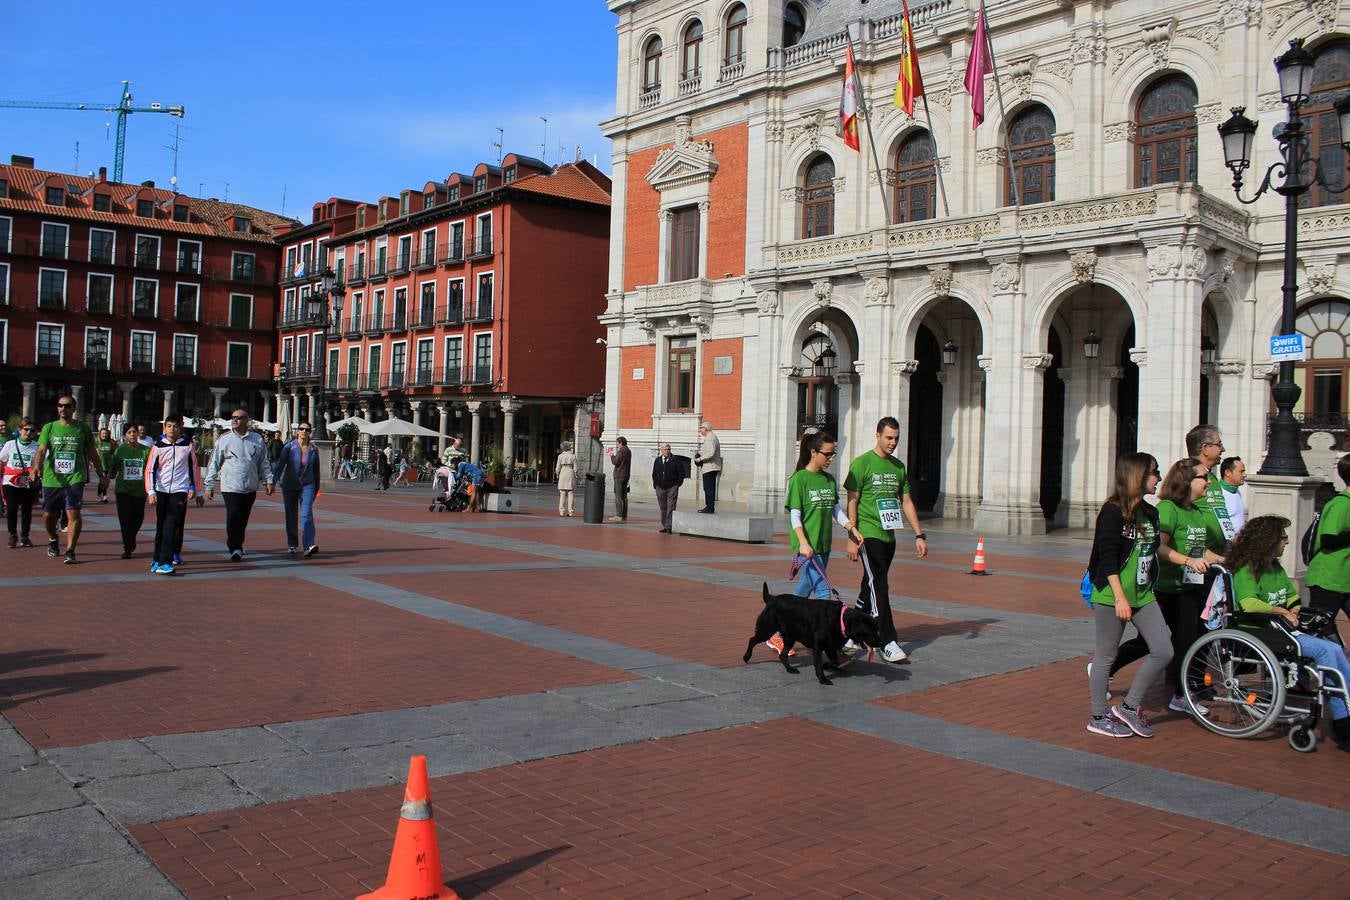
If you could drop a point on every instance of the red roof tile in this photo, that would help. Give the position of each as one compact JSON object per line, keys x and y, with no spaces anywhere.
{"x":575,"y":181}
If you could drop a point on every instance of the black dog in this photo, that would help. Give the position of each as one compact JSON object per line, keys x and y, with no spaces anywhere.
{"x":822,"y":625}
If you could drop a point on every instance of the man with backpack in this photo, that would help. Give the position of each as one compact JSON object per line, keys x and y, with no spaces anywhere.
{"x":1326,"y":550}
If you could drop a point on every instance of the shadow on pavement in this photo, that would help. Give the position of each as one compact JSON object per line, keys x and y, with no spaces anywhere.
{"x":48,"y":656}
{"x":484,"y":881}
{"x":15,"y":692}
{"x":923,"y":635}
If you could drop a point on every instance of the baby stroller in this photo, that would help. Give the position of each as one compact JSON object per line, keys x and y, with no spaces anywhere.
{"x":447,"y":493}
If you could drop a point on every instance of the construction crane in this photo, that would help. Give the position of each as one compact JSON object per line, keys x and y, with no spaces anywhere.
{"x":122,"y":109}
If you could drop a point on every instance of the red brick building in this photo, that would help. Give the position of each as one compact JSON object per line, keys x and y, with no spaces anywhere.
{"x":137,"y":300}
{"x":468,"y":306}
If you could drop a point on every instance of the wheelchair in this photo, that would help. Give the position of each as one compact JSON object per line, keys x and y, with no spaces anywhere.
{"x":1247,"y":679}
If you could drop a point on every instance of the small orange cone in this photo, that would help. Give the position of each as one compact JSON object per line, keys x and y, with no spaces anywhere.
{"x":977,"y":567}
{"x":415,"y":866}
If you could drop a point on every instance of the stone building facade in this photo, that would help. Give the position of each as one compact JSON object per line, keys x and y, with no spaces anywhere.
{"x":758,"y":280}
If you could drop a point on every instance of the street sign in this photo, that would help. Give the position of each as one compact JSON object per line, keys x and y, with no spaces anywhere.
{"x":1287,"y":348}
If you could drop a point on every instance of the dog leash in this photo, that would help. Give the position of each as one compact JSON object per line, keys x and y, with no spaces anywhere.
{"x":843,"y":607}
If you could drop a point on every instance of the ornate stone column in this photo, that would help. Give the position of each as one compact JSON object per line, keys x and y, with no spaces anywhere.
{"x":1168,"y":356}
{"x":267,"y":405}
{"x":444,"y":428}
{"x":126,"y":387}
{"x":218,"y":393}
{"x":77,"y":391}
{"x":902,"y":371}
{"x":28,"y":398}
{"x":510,"y":406}
{"x":476,"y":433}
{"x":770,"y":410}
{"x":313,"y":407}
{"x":168,"y":404}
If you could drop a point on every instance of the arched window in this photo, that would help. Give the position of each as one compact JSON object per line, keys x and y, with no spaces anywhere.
{"x":818,"y":200}
{"x":1325,"y":326}
{"x":691,"y":52}
{"x":1331,"y":79}
{"x":734,"y":48}
{"x":915,"y":179}
{"x":1031,"y":141}
{"x":1164,"y":144}
{"x":794,"y":24}
{"x":651,"y":66}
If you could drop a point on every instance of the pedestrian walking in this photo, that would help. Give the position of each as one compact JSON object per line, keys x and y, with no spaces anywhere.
{"x":1232,"y":476}
{"x":1122,"y":570}
{"x":667,"y":475}
{"x":565,"y":474}
{"x":879,"y":503}
{"x":345,"y":470}
{"x":384,"y":467}
{"x":142,"y":438}
{"x":296,"y":472}
{"x":21,"y":485}
{"x":622,"y":460}
{"x":65,"y":451}
{"x":1328,"y":576}
{"x":106,"y":446}
{"x":172,"y":480}
{"x":128,"y":478}
{"x":240,"y":464}
{"x":1205,"y":443}
{"x":709,"y":462}
{"x":274,"y":446}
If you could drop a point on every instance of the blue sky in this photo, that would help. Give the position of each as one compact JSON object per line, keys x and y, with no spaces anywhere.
{"x":316,"y":100}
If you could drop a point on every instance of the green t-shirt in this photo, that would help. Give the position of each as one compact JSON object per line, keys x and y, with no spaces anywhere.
{"x":1216,"y":511}
{"x":1330,"y":569}
{"x":877,"y":479}
{"x":1192,"y":532}
{"x":815,"y":494}
{"x":1259,"y":593}
{"x":128,"y":469}
{"x":66,"y":461}
{"x":1136,"y":576}
{"x":105,"y":454}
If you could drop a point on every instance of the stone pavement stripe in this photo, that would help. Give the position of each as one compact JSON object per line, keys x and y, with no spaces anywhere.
{"x":55,"y":840}
{"x":1243,"y":808}
{"x":129,"y":875}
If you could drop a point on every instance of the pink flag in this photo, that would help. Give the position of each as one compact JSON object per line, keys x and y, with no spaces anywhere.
{"x":978,"y":66}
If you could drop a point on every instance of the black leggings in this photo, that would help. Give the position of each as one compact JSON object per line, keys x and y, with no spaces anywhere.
{"x":19,"y":508}
{"x":1318,"y":597}
{"x":130,"y":516}
{"x":874,"y":595}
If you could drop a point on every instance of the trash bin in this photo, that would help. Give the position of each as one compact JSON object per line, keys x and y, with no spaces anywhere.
{"x":593,"y":504}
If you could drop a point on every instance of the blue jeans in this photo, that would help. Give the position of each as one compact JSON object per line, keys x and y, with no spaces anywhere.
{"x":1329,"y":654}
{"x":300,"y":502}
{"x":811,"y":582}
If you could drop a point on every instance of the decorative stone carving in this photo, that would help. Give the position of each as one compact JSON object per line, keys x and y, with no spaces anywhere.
{"x":809,"y":127}
{"x":985,"y":362}
{"x":1088,"y":45}
{"x":1064,"y":140}
{"x":942,"y":98}
{"x":1227,"y":268}
{"x":1037,"y":360}
{"x":702,"y":323}
{"x":1121,"y":131}
{"x":1324,"y":11}
{"x":1062,"y":70}
{"x":945,"y":163}
{"x":666,"y":216}
{"x":1210,"y":34}
{"x":1164,"y":261}
{"x":1209,"y":113}
{"x":1158,"y":40}
{"x":773,"y":131}
{"x":1195,"y":262}
{"x":838,"y":184}
{"x":1320,"y":275}
{"x":821,"y":291}
{"x":991,"y":156}
{"x":904,"y":366}
{"x":648,"y":327}
{"x":1265,"y":370}
{"x":1021,"y":72}
{"x":1006,"y":276}
{"x":767,"y":301}
{"x":688,"y":162}
{"x":1239,"y":12}
{"x":684,"y":129}
{"x":792,"y":195}
{"x":1230,"y":367}
{"x":1114,"y":373}
{"x":1268,"y":101}
{"x":876,"y":290}
{"x":1139,"y":356}
{"x":859,"y":366}
{"x":1084,"y":265}
{"x":940,"y":277}
{"x":704,"y":206}
{"x":788,"y":371}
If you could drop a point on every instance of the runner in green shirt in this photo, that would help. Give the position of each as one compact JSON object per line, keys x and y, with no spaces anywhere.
{"x":1203,"y":442}
{"x":106,"y":446}
{"x":128,"y":474}
{"x":878,"y":495}
{"x":1328,"y":577}
{"x":65,"y":451}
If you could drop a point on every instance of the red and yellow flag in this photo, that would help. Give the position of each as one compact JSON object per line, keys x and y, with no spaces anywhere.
{"x":909,"y":86}
{"x":847,"y":127}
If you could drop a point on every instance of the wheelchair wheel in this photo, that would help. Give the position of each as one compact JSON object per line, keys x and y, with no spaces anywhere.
{"x":1237,"y":679}
{"x":1303,"y":738}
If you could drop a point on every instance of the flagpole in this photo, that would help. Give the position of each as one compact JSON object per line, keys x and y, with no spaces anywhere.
{"x":937,"y":162}
{"x":1003,"y":111}
{"x":867,"y":117}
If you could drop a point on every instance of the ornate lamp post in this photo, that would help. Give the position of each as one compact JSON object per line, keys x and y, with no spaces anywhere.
{"x":325,"y":308}
{"x":98,"y":356}
{"x":1297,"y":170}
{"x":949,"y":354}
{"x":1092,"y":345}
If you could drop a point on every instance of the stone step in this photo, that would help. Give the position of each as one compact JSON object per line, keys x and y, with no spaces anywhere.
{"x":724,"y":526}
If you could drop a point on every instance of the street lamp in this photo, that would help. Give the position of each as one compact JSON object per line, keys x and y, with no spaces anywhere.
{"x":325,"y":308}
{"x":97,"y":354}
{"x":1092,"y":345}
{"x":1207,"y":349}
{"x":949,"y":354}
{"x":1298,"y":170}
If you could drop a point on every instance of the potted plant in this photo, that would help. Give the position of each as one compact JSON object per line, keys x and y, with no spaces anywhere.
{"x":496,"y":469}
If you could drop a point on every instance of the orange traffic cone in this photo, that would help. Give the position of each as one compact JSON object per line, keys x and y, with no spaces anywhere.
{"x":977,"y":567}
{"x":415,"y":866}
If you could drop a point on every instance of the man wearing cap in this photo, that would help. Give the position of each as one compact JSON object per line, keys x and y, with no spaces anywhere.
{"x":709,"y":461}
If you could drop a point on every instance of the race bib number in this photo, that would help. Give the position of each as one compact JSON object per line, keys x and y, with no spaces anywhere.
{"x":1141,"y":575}
{"x":1190,"y":576}
{"x":1225,"y":522}
{"x":888,"y":509}
{"x":64,"y":463}
{"x":133,"y":469}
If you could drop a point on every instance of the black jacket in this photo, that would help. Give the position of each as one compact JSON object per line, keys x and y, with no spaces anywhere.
{"x":666,"y":472}
{"x":1114,"y":541}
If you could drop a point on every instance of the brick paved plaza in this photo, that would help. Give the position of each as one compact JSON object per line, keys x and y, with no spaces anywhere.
{"x":243,"y":730}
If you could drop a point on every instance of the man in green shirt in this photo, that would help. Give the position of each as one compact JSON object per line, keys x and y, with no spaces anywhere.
{"x":1328,"y":577}
{"x":878,"y":495}
{"x":66,"y":448}
{"x":1206,"y":444}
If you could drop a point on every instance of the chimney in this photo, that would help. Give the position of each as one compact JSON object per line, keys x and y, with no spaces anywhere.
{"x":148,"y":184}
{"x":102,"y":173}
{"x":23,"y":162}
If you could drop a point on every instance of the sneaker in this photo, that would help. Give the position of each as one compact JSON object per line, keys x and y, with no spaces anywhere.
{"x":177,"y":560}
{"x":13,"y":541}
{"x":893,"y":654}
{"x":290,"y":551}
{"x":154,"y":568}
{"x":165,"y":569}
{"x":1134,"y":718}
{"x":1178,"y":704}
{"x":775,"y":644}
{"x":310,"y":551}
{"x":70,"y":557}
{"x":236,"y":556}
{"x":53,"y":549}
{"x":1108,"y":693}
{"x":126,"y":554}
{"x":1109,"y":727}
{"x":25,"y":542}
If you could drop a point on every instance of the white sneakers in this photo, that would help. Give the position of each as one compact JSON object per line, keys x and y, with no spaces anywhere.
{"x":893,"y":654}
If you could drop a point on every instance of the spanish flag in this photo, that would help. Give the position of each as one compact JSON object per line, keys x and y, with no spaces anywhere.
{"x":847,"y":127}
{"x":909,"y":86}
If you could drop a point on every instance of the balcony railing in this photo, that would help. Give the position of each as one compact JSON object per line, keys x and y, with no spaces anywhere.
{"x":100,"y":306}
{"x":649,"y":97}
{"x":482,"y":312}
{"x":379,"y":270}
{"x":424,"y":317}
{"x":422,"y":377}
{"x":184,"y":368}
{"x":48,"y":359}
{"x":395,"y":381}
{"x":357,"y":275}
{"x":188,"y":264}
{"x":482,"y":374}
{"x":452,"y":252}
{"x":690,"y":84}
{"x":454,"y":314}
{"x":731,"y":70}
{"x":374,"y":324}
{"x":142,"y":365}
{"x":426,"y":257}
{"x":452,"y":375}
{"x":102,"y":256}
{"x":143,"y":309}
{"x":185,"y":313}
{"x":482,"y":246}
{"x":145,"y":261}
{"x":353,"y":327}
{"x":402,"y":263}
{"x":53,"y":251}
{"x":51,"y":301}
